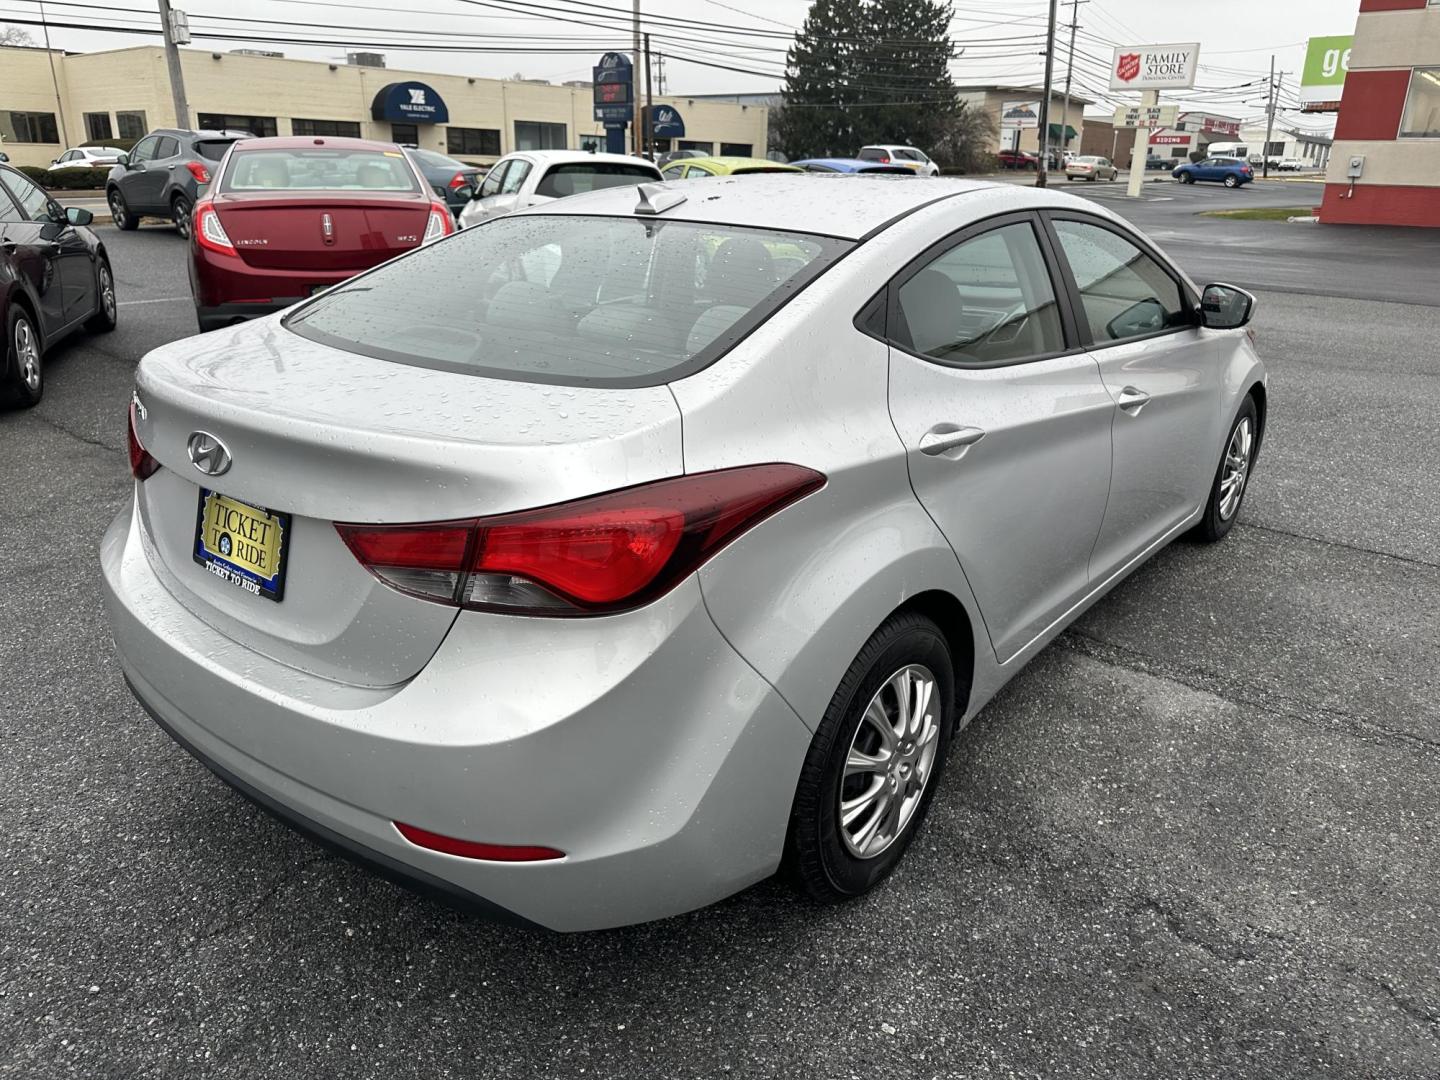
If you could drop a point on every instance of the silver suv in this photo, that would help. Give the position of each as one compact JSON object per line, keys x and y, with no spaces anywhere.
{"x":163,"y":174}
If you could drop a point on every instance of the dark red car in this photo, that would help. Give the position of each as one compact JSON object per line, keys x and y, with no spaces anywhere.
{"x":285,"y":218}
{"x":1018,"y":159}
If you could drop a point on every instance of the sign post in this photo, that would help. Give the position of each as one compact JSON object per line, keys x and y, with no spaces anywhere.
{"x":1151,"y":68}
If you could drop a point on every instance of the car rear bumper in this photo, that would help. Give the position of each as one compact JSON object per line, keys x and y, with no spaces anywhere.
{"x":640,"y":745}
{"x":222,"y":315}
{"x":228,"y":290}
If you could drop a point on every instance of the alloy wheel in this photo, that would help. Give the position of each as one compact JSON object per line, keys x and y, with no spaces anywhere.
{"x":889,"y":762}
{"x":107,"y":292}
{"x":1237,"y":469}
{"x":180,"y":212}
{"x":117,"y":209}
{"x":27,"y":354}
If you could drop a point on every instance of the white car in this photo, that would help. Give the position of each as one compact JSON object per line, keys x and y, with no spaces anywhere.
{"x":88,"y":157}
{"x":532,"y":177}
{"x":900,"y":155}
{"x":1291,"y":164}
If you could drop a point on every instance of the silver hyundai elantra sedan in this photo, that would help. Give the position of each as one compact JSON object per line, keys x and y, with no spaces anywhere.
{"x":592,"y":564}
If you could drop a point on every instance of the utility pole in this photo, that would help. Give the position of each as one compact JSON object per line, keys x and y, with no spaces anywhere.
{"x":660,"y":72}
{"x":635,"y":142}
{"x":1069,"y":68}
{"x":1269,"y":122}
{"x":172,"y":61}
{"x":1045,"y":101}
{"x":54,"y":81}
{"x":648,"y":141}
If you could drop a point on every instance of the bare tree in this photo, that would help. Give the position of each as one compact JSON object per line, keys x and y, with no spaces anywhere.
{"x":15,"y":35}
{"x":967,"y":141}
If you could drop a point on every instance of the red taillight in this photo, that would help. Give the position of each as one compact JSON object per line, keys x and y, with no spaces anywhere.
{"x":885,"y":160}
{"x":441,"y":223}
{"x":458,"y":181}
{"x":142,"y":465}
{"x":209,"y":233}
{"x":470,"y":849}
{"x":199,"y":171}
{"x":592,"y":556}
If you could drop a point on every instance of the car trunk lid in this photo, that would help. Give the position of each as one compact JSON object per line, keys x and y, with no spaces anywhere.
{"x":326,"y":436}
{"x":330,"y":233}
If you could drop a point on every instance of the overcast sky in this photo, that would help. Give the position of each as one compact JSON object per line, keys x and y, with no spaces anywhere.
{"x":1002,"y":39}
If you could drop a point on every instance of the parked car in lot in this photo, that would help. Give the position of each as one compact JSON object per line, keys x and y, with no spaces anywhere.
{"x":1232,"y":172}
{"x":288,"y":217}
{"x":678,"y":155}
{"x":163,"y":174}
{"x":1090,"y":167}
{"x":87,"y":157}
{"x":1018,"y":159}
{"x":532,"y":177}
{"x":1159,"y":164}
{"x":701,"y":168}
{"x":1291,"y":164}
{"x":853,"y":165}
{"x":55,"y":279}
{"x":517,"y":567}
{"x":908,"y":156}
{"x":452,"y":180}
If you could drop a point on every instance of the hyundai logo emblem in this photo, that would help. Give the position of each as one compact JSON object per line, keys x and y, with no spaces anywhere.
{"x":207,"y":453}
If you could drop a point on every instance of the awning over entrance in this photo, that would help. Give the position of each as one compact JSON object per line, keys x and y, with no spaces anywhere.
{"x":1070,"y":132}
{"x":409,"y":103}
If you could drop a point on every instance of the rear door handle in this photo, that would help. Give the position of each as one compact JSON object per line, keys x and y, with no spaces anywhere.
{"x":1132,"y":400}
{"x":939,"y":439}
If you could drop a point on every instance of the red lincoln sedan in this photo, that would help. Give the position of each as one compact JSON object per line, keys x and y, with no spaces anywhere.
{"x":285,"y":218}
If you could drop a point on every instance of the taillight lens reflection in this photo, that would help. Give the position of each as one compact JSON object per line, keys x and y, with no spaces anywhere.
{"x":142,"y":465}
{"x":601,"y":554}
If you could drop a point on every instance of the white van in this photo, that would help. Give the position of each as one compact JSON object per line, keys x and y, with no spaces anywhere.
{"x":1228,"y":149}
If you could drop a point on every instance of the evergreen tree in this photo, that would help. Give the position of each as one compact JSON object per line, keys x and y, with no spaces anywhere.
{"x":867,"y":71}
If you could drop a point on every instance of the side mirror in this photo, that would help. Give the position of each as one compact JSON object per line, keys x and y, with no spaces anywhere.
{"x":123,"y":161}
{"x":466,"y":191}
{"x":1225,"y":307}
{"x":77,"y":216}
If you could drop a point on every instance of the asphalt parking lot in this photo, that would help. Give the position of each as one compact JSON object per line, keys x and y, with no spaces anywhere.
{"x":1194,"y":839}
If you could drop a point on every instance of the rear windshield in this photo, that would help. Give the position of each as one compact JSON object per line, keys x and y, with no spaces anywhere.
{"x":319,"y":170}
{"x":576,"y":177}
{"x":212,"y":149}
{"x":563,"y":298}
{"x":872,"y":153}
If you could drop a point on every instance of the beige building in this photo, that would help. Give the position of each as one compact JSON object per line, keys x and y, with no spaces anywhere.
{"x":126,"y":92}
{"x":998,"y":99}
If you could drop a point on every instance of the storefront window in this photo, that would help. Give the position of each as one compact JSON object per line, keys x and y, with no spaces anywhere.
{"x":482,"y":141}
{"x":405,"y":134}
{"x":736,"y":149}
{"x":530,"y":135}
{"x":131,"y":124}
{"x":33,"y":127}
{"x":1422,"y":106}
{"x":262,"y":126}
{"x":691,"y":144}
{"x":340,"y":129}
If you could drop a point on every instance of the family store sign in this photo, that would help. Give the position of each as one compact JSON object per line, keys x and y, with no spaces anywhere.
{"x":1154,"y":67}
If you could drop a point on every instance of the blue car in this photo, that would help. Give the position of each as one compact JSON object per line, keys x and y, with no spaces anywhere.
{"x":1232,"y":172}
{"x":851,"y":165}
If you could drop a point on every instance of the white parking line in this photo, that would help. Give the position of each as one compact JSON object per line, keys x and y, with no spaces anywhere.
{"x":161,"y":300}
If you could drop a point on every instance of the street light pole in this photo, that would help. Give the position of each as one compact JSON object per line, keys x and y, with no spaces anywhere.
{"x":172,"y":61}
{"x":1069,"y":69}
{"x":647,"y":140}
{"x":635,"y":143}
{"x":1040,"y":167}
{"x":1269,"y":123}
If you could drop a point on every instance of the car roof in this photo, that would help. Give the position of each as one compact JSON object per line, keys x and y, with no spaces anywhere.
{"x":788,"y":203}
{"x":729,"y":164}
{"x":309,"y":142}
{"x":566,"y":157}
{"x":838,"y":163}
{"x":889,"y":146}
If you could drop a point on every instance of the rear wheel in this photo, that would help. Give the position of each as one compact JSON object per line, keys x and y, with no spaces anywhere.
{"x":1232,"y":477}
{"x":24,"y":360}
{"x":180,"y":210}
{"x":1232,"y":181}
{"x":872,"y":766}
{"x":120,"y":211}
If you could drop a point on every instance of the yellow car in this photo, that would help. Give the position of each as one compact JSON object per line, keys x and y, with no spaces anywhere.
{"x":690,"y":168}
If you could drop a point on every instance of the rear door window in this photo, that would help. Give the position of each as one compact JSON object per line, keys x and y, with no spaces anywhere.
{"x":565,"y":298}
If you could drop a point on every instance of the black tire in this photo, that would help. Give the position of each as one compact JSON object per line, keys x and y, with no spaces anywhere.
{"x":120,"y":211}
{"x":180,"y":210}
{"x":1220,"y":516}
{"x":817,"y":857}
{"x":1189,"y":178}
{"x":103,"y":321}
{"x":1231,"y":182}
{"x":22,"y":333}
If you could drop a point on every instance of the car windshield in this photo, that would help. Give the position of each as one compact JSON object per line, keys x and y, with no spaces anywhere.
{"x":1089,"y":160}
{"x":319,"y":170}
{"x":574,"y":178}
{"x":565,"y":298}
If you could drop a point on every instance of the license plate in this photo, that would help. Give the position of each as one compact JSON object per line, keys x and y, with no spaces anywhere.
{"x":241,"y":544}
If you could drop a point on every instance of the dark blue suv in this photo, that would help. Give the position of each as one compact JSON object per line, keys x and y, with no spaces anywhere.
{"x":1232,"y":172}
